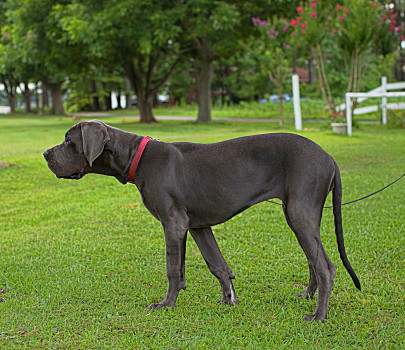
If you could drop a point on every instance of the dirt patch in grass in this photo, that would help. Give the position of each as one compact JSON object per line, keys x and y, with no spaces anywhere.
{"x":5,"y":165}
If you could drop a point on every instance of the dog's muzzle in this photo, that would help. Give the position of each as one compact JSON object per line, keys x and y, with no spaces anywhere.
{"x":75,"y":176}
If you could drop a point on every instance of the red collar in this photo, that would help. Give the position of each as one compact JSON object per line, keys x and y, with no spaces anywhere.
{"x":137,"y":158}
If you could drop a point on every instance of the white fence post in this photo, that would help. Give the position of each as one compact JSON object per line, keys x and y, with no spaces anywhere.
{"x":384,"y":100}
{"x":349,"y":114}
{"x":296,"y":99}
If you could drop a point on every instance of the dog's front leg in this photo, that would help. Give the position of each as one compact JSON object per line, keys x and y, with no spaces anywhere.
{"x":175,"y":238}
{"x":213,"y":257}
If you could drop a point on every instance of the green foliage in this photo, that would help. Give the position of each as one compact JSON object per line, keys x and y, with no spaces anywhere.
{"x":396,"y":119}
{"x":58,"y":40}
{"x":356,"y":25}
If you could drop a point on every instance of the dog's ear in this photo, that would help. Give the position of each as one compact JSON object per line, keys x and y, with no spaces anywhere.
{"x":95,"y":136}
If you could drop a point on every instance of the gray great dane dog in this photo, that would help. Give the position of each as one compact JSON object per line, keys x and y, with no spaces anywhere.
{"x":191,"y":187}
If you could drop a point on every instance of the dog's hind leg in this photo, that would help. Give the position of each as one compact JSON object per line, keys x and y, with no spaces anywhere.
{"x":312,"y":286}
{"x":305,"y":222}
{"x":213,"y":257}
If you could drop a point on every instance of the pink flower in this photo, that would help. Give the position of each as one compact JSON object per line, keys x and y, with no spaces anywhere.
{"x":346,"y":11}
{"x":303,"y":31}
{"x":299,"y":9}
{"x":399,"y":28}
{"x":299,"y":18}
{"x":302,"y":25}
{"x":294,"y":22}
{"x":401,"y":38}
{"x":313,"y":5}
{"x":326,"y":28}
{"x":286,"y":45}
{"x":373,"y":5}
{"x":338,"y":7}
{"x":313,"y":14}
{"x":334,"y":31}
{"x":341,"y":19}
{"x":391,"y":11}
{"x":285,"y":28}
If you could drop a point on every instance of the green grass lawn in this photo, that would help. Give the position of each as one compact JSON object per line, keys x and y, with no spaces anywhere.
{"x":80,"y":260}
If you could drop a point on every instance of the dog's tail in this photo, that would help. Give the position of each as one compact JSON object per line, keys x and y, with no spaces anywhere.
{"x":337,"y":212}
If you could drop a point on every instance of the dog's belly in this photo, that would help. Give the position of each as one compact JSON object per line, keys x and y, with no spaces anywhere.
{"x":215,"y":202}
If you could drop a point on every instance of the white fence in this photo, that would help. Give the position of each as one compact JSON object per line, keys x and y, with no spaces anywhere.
{"x":384,"y":106}
{"x":364,"y":95}
{"x":381,"y":92}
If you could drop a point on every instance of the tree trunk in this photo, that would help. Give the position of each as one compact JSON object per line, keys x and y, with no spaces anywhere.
{"x":145,"y":109}
{"x":310,"y":65}
{"x":127,"y":93}
{"x":206,"y":56}
{"x":37,"y":96}
{"x":144,"y":84}
{"x":204,"y":80}
{"x":12,"y":101}
{"x":144,"y":100}
{"x":280,"y":106}
{"x":107,"y":101}
{"x":276,"y":78}
{"x":45,"y":97}
{"x":27,"y":97}
{"x":57,"y":101}
{"x":96,"y":100}
{"x":11,"y":90}
{"x":107,"y":98}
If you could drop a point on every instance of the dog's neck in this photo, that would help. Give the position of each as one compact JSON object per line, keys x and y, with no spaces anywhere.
{"x":117,"y":163}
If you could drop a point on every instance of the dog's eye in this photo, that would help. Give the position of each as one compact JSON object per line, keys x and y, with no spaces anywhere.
{"x":69,"y":143}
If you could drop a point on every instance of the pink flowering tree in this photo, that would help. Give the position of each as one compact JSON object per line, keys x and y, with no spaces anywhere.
{"x":311,"y":26}
{"x":355,"y":30}
{"x":273,"y":53}
{"x":389,"y":34}
{"x":357,"y":27}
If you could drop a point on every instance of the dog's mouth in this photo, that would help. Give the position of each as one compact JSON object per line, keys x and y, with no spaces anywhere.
{"x":74,"y":176}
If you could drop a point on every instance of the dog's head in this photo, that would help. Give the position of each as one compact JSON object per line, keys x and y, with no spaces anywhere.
{"x":83,"y":144}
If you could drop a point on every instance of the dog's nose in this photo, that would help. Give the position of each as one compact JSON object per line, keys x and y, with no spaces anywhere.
{"x":46,"y":154}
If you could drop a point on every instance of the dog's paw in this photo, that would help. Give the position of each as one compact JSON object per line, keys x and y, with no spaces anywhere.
{"x":230,"y":301}
{"x":306,"y":295}
{"x":314,"y":317}
{"x":158,"y":306}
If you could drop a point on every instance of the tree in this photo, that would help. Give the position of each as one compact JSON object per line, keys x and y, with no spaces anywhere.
{"x":215,"y":29}
{"x":273,"y":53}
{"x":355,"y":25}
{"x":312,"y":24}
{"x":210,"y":26}
{"x":142,"y":38}
{"x":43,"y":47}
{"x":9,"y":66}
